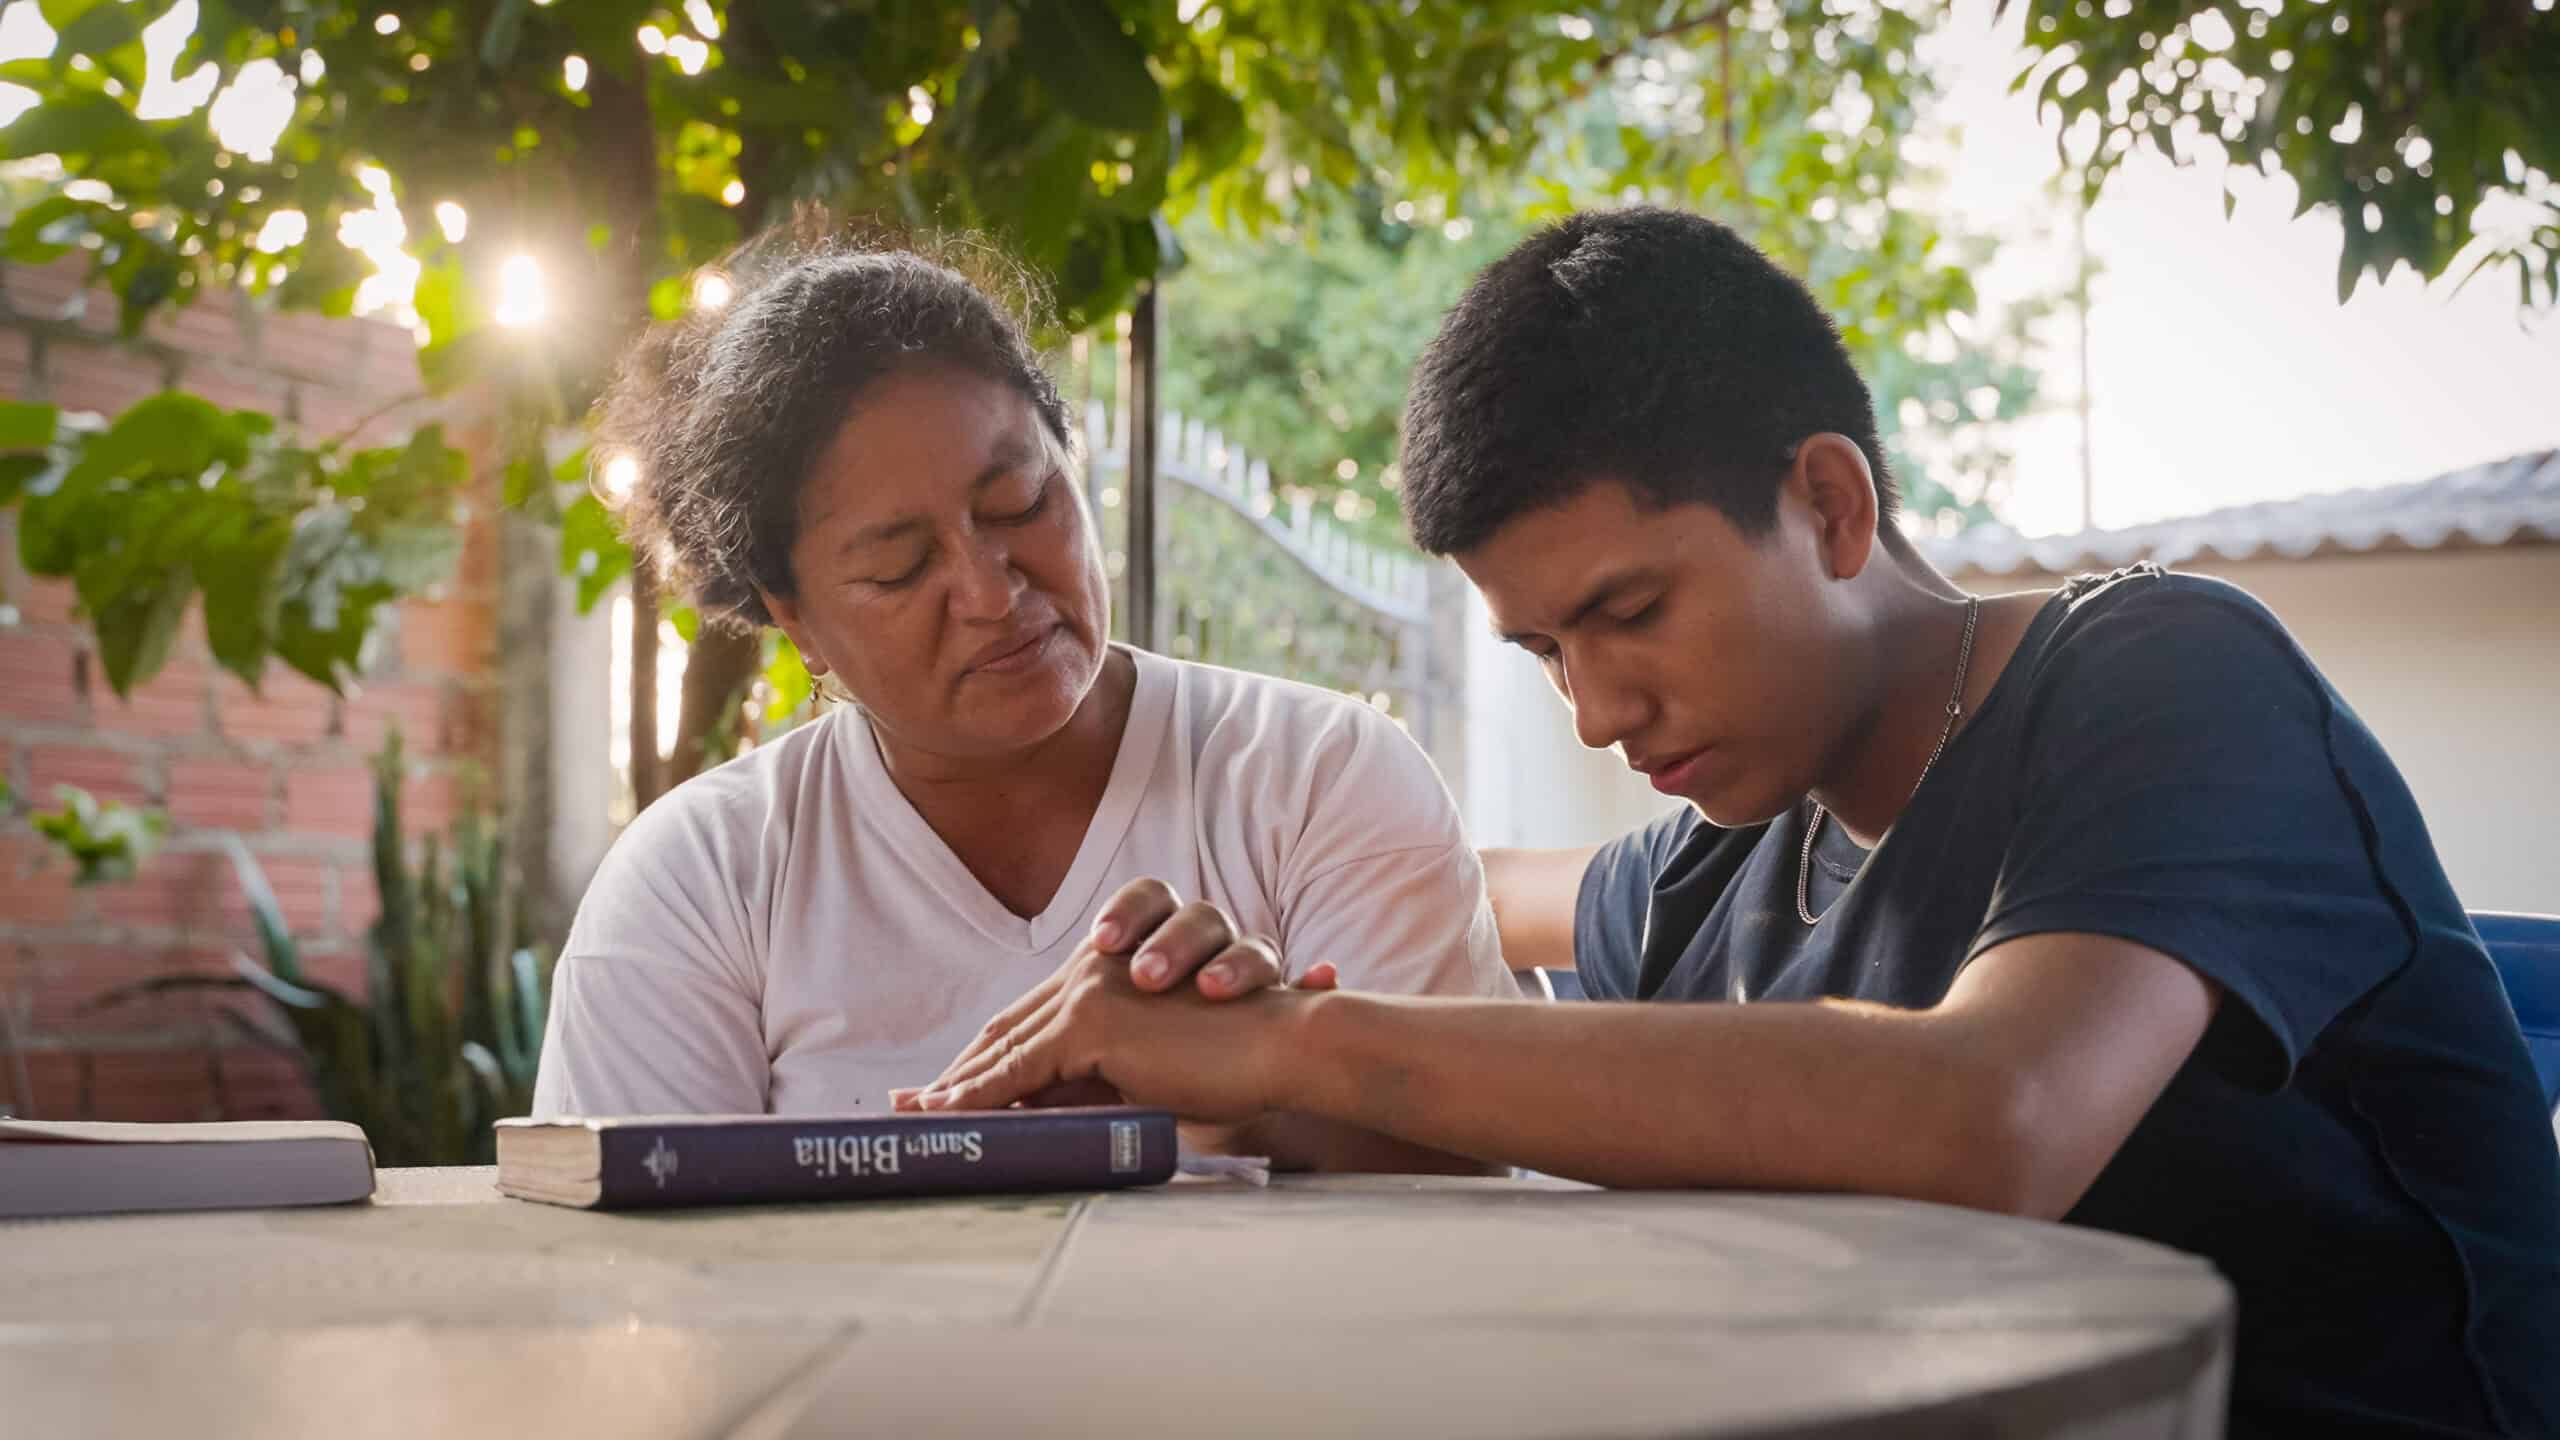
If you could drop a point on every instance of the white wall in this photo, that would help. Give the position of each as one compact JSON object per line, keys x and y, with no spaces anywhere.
{"x":2452,"y":657}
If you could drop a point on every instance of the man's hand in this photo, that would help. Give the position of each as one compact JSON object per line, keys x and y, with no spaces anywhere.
{"x":1202,"y":1059}
{"x":1150,"y":943}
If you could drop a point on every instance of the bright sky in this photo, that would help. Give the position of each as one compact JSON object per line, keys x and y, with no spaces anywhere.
{"x":2223,"y":369}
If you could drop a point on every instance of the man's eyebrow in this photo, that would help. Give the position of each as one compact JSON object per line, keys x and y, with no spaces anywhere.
{"x":1602,"y":591}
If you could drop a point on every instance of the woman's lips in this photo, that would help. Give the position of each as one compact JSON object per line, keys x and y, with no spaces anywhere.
{"x":1019,"y":655}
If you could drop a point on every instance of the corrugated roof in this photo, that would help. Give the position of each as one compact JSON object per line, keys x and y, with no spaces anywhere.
{"x":2505,"y":502}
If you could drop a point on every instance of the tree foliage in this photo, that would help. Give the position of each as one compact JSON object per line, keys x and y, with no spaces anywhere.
{"x":618,"y":144}
{"x":615,"y":146}
{"x":293,"y":548}
{"x":2431,"y":129}
{"x":1784,"y":121}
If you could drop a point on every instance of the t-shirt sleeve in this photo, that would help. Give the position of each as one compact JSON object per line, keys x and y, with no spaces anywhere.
{"x":2182,"y":790}
{"x":1383,"y":883}
{"x":653,"y":1010}
{"x":1616,"y":896}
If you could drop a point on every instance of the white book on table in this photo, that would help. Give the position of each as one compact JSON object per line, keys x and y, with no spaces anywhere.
{"x":57,"y":1167}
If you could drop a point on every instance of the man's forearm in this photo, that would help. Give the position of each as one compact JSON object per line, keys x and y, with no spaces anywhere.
{"x":1830,"y":1096}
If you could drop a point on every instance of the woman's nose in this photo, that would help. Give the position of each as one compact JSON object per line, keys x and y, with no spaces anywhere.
{"x":987,"y":583}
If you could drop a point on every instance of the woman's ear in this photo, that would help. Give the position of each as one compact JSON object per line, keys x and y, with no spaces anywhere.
{"x":787,"y":619}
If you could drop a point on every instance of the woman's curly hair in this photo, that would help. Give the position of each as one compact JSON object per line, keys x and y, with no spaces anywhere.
{"x":727,"y":409}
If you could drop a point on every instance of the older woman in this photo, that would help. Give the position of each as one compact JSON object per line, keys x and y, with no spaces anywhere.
{"x":862,"y":449}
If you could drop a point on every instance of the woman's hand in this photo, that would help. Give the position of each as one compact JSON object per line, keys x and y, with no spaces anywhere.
{"x":1149,"y":943}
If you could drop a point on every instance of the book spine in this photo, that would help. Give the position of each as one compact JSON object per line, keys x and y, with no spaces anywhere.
{"x":646,"y":1166}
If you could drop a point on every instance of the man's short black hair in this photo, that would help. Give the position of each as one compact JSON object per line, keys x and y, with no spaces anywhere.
{"x":1641,"y":345}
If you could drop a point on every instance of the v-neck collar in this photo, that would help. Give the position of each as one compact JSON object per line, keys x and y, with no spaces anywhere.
{"x":1841,"y":856}
{"x":882,"y":804}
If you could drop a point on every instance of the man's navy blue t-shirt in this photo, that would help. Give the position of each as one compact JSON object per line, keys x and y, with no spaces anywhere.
{"x":2357,"y":1143}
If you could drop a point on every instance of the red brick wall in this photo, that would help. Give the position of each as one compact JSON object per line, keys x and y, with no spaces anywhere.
{"x":284,"y":768}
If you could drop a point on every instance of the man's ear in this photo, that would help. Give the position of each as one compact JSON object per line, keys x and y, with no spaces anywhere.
{"x":787,"y":618}
{"x":1832,"y":479}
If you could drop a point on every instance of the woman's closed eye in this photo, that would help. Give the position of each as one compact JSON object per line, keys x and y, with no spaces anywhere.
{"x":924,"y":560}
{"x":903,"y":578}
{"x":1030,"y":512}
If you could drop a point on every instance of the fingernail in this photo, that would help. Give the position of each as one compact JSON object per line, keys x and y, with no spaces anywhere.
{"x":1149,"y":969}
{"x":1106,"y":933}
{"x":1222,"y":972}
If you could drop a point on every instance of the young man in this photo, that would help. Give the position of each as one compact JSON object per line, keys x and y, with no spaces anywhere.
{"x":2096,"y":904}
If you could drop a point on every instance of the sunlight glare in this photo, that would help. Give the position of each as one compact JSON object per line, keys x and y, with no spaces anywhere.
{"x":284,"y":230}
{"x":251,"y":112}
{"x":521,"y":300}
{"x":621,"y":477}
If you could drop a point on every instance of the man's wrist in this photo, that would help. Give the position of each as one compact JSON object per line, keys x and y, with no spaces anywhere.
{"x":1300,"y":1059}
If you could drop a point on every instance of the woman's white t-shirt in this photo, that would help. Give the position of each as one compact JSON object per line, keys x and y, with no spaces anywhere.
{"x":785,"y":934}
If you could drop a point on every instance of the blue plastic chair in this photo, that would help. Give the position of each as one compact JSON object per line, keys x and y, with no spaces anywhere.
{"x":2526,"y":950}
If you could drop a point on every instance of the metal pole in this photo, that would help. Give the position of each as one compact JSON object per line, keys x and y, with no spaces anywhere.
{"x":2080,"y":308}
{"x":1140,"y":398}
{"x":644,"y":683}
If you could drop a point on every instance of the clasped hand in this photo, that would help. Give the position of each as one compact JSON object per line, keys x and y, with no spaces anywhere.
{"x":1162,"y":1004}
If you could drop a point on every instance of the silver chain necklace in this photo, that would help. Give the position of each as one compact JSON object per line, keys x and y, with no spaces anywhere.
{"x":1955,"y":711}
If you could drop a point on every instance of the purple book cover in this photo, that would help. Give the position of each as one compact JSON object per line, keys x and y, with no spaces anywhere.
{"x":677,"y":1160}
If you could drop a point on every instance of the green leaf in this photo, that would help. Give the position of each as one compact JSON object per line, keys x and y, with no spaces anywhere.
{"x":171,"y":432}
{"x":444,"y":303}
{"x":75,"y":125}
{"x":26,"y":426}
{"x":688,"y":622}
{"x":1097,"y":70}
{"x":1052,"y":192}
{"x":591,"y":549}
{"x":47,"y":230}
{"x":143,"y":291}
{"x":789,"y":679}
{"x":111,"y":35}
{"x":16,"y":471}
{"x":104,"y":842}
{"x":243,"y":579}
{"x":66,"y":15}
{"x":524,"y":478}
{"x":137,"y":629}
{"x":324,"y":277}
{"x":1213,"y":133}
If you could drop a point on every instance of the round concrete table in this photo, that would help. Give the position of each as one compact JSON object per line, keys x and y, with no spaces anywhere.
{"x":1368,"y":1305}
